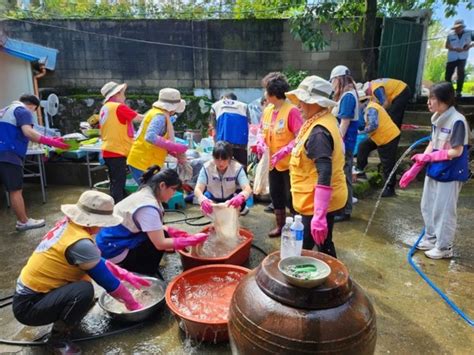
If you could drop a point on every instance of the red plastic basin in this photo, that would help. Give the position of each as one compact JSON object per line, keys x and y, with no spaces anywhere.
{"x":200,"y":300}
{"x":237,"y":257}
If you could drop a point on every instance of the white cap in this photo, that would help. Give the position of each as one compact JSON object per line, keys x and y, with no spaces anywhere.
{"x":289,"y":220}
{"x":339,"y":70}
{"x":298,"y":217}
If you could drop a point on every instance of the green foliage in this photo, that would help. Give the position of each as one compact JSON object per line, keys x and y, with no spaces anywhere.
{"x":295,"y":77}
{"x":436,"y":54}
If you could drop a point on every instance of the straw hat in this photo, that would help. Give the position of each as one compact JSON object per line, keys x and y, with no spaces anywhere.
{"x":339,"y":70}
{"x":458,"y":23}
{"x":93,"y":209}
{"x":170,"y":100}
{"x":111,"y":88}
{"x":312,"y":90}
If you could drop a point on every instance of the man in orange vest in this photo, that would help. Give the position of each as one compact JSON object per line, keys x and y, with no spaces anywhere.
{"x":116,"y":129}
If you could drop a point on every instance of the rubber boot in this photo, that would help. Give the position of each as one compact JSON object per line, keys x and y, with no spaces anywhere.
{"x":60,"y":341}
{"x":280,"y":221}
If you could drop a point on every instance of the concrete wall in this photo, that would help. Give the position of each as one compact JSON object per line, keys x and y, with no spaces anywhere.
{"x":89,"y":56}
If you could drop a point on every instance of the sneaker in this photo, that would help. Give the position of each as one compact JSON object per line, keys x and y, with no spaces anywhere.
{"x":436,"y":253}
{"x":269,"y":208}
{"x":30,"y":224}
{"x":425,"y":244}
{"x":245,"y":211}
{"x":354,"y":200}
{"x":388,"y":192}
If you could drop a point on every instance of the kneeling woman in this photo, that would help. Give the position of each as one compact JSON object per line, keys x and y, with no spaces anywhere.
{"x":220,"y":179}
{"x":52,"y":286}
{"x":139,"y":242}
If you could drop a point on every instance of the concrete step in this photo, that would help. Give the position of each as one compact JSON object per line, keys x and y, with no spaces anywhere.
{"x":419,"y":118}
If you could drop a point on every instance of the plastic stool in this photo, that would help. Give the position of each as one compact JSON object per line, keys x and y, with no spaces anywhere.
{"x":177,"y":201}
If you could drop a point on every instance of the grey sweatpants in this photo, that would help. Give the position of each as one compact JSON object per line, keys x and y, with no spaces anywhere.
{"x":438,"y":207}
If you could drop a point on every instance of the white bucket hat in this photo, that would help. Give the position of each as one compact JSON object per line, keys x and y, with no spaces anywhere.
{"x":362,"y":95}
{"x":111,"y":88}
{"x":339,"y":70}
{"x":170,"y":100}
{"x":93,"y":209}
{"x":312,"y":90}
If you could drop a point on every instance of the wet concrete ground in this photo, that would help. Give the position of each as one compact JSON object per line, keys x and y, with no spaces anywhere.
{"x":411,"y":317}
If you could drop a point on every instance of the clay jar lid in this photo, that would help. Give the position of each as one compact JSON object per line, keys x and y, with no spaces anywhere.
{"x":335,"y":291}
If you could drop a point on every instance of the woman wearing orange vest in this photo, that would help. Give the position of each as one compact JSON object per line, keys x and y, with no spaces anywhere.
{"x":392,"y":94}
{"x":155,"y":137}
{"x":318,"y":183}
{"x":54,"y":286}
{"x":116,"y":130}
{"x":281,"y":122}
{"x":384,"y":135}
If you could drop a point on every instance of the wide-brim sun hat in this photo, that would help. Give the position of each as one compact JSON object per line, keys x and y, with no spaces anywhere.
{"x":93,"y":209}
{"x":312,"y":90}
{"x":170,"y":100}
{"x":457,"y":24}
{"x":112,"y":88}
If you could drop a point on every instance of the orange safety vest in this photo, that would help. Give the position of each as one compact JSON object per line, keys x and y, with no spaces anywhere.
{"x":114,"y":134}
{"x":392,"y":87}
{"x":303,"y":173}
{"x":144,"y":154}
{"x":277,"y":134}
{"x":387,"y":130}
{"x":47,"y":268}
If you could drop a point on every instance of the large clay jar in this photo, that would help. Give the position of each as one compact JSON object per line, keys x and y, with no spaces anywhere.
{"x":269,"y":316}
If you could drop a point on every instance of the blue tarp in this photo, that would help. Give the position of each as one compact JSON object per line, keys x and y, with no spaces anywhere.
{"x":31,"y":52}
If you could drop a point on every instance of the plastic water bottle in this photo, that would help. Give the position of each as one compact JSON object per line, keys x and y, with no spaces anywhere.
{"x":297,"y":233}
{"x":286,"y":239}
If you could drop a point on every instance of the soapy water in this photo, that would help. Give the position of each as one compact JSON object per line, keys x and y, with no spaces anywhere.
{"x":147,"y":297}
{"x":302,"y":272}
{"x":209,"y":300}
{"x":215,"y":247}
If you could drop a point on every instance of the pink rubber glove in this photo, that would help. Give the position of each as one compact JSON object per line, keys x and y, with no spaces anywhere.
{"x":206,"y":206}
{"x":172,"y":147}
{"x":319,"y":225}
{"x":282,"y":153}
{"x":236,"y":201}
{"x":124,"y":275}
{"x":438,"y":155}
{"x":122,"y":294}
{"x":54,"y":142}
{"x":177,"y":233}
{"x":260,"y":147}
{"x":192,"y":240}
{"x":411,"y":174}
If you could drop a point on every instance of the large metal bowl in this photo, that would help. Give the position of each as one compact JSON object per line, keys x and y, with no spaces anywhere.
{"x":158,"y":288}
{"x":322,"y":273}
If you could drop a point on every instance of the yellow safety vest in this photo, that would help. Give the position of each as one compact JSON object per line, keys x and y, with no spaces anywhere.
{"x":303,"y":174}
{"x":144,"y":154}
{"x":387,"y":130}
{"x":114,"y":134}
{"x":277,"y":134}
{"x":47,"y":268}
{"x":392,"y":87}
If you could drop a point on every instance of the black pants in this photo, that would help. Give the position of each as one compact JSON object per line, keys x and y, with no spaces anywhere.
{"x":398,"y":106}
{"x":308,"y":241}
{"x":69,"y":303}
{"x":117,"y":176}
{"x":387,"y":155}
{"x":280,"y":191}
{"x":460,"y":64}
{"x":240,"y":154}
{"x":144,"y":259}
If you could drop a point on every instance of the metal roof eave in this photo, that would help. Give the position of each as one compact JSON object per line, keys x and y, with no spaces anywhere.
{"x":31,"y":52}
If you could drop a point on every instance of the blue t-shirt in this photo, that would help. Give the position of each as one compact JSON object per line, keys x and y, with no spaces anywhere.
{"x":347,"y":108}
{"x":23,"y":117}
